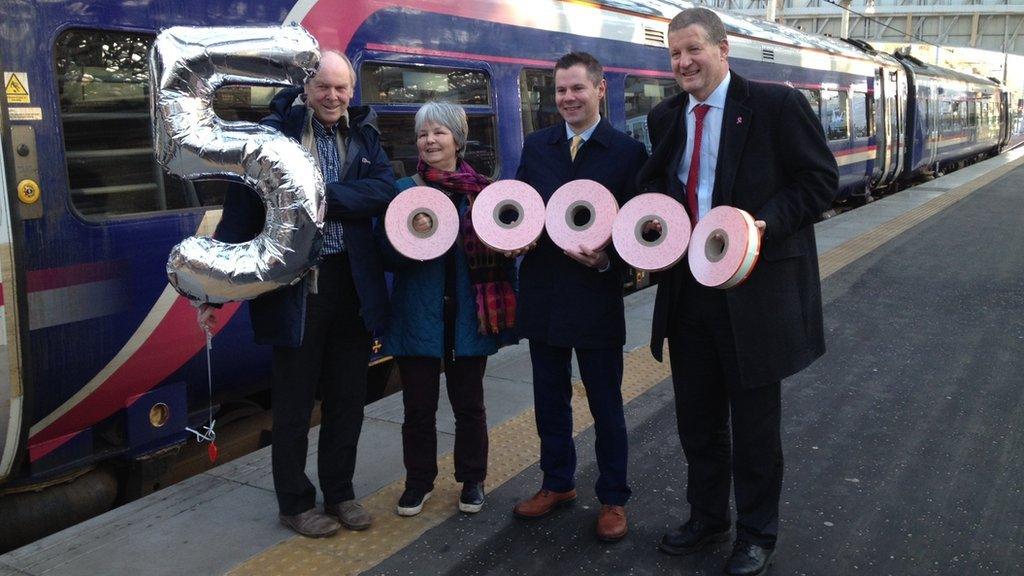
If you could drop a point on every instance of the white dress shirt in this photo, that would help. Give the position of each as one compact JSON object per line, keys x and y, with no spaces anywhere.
{"x":710,"y":139}
{"x":585,"y":135}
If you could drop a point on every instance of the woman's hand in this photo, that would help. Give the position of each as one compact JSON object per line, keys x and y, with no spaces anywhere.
{"x":422,"y":223}
{"x":652,"y":226}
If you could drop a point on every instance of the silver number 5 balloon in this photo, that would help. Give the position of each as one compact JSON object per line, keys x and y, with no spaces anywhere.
{"x":187,"y":65}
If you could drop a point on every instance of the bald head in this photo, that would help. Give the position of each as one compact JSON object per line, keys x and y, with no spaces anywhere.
{"x":329,"y":91}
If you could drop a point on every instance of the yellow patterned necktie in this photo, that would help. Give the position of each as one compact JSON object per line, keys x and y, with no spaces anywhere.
{"x":575,"y":147}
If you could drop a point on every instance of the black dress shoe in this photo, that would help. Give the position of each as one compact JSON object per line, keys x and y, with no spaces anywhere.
{"x":748,"y":559}
{"x":692,"y":537}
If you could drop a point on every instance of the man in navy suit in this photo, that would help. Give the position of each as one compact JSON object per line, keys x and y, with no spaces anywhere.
{"x":760,"y":148}
{"x":320,"y":328}
{"x":573,"y":299}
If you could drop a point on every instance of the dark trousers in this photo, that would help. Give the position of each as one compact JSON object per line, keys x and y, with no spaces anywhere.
{"x":421,"y":384}
{"x":708,"y":397}
{"x":333,"y":360}
{"x":601,"y":371}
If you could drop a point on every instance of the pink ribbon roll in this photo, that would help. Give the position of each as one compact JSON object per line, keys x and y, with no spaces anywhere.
{"x":724,"y":247}
{"x":662,"y":251}
{"x":581,"y":213}
{"x":433,"y":242}
{"x":508,"y":215}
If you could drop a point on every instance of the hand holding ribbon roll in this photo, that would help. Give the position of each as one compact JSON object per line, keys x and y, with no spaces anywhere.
{"x":660,"y":247}
{"x":508,"y":215}
{"x":404,"y":223}
{"x":724,"y":247}
{"x":581,"y":213}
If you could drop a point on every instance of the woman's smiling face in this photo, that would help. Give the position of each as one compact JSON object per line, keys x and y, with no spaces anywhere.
{"x":437,"y":146}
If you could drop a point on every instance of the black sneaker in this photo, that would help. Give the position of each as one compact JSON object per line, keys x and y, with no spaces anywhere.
{"x":412,"y":501}
{"x":472,"y":498}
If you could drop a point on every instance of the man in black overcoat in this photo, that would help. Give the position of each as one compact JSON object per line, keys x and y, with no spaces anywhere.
{"x":761,"y":149}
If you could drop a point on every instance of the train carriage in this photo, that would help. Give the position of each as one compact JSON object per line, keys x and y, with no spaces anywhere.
{"x":102,"y":362}
{"x":953,"y":118}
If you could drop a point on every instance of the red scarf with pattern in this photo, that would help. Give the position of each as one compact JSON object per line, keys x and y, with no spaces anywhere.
{"x":488,"y":270}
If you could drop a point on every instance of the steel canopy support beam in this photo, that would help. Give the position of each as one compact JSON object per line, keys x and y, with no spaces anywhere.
{"x":844,"y":27}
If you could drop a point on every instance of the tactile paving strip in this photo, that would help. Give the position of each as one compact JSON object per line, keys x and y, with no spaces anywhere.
{"x":835,"y":259}
{"x":514,"y":446}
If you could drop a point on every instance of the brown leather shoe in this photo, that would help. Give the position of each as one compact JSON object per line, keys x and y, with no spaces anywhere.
{"x":611,"y":523}
{"x":542,"y":503}
{"x":311,"y":523}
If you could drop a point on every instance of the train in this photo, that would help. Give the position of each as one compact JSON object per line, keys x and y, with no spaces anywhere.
{"x":102,"y":365}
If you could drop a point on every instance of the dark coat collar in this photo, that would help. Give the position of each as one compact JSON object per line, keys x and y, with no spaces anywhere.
{"x":291,"y":110}
{"x":735,"y":123}
{"x":736,"y":120}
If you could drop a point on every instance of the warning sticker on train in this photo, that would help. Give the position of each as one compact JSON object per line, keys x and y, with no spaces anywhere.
{"x":25,"y":113}
{"x":16,"y":87}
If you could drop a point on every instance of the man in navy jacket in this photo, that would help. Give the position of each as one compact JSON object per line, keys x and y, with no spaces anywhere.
{"x":320,"y":328}
{"x":573,"y":300}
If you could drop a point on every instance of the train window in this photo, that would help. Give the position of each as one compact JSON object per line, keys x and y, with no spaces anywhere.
{"x":399,"y":141}
{"x":869,"y":111}
{"x":103,"y":84}
{"x":397,"y":86}
{"x":949,"y":116}
{"x":642,"y":95}
{"x":813,"y":98}
{"x":834,"y":114}
{"x":537,"y":95}
{"x":407,"y":84}
{"x":861,"y":113}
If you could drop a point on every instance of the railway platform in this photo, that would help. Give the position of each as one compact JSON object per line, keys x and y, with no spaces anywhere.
{"x":903,"y":443}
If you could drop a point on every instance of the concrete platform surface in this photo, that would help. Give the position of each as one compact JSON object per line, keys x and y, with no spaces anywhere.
{"x":903,"y":442}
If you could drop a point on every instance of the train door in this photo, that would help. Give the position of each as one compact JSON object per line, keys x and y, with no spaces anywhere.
{"x":1002,"y":111}
{"x":883,"y":130}
{"x":899,"y":119}
{"x":12,"y":393}
{"x":894,"y":98}
{"x":933,"y":108}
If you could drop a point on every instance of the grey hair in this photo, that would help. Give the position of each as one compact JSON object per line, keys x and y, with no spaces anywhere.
{"x":446,"y":114}
{"x":714,"y":30}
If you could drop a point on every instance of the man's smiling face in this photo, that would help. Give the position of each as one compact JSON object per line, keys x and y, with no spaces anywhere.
{"x":699,"y":65}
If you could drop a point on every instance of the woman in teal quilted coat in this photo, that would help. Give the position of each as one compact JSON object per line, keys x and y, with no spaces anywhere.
{"x":452,"y":313}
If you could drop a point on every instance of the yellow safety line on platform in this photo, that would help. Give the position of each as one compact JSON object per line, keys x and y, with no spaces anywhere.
{"x":835,"y":259}
{"x":513,"y":447}
{"x":514,"y":444}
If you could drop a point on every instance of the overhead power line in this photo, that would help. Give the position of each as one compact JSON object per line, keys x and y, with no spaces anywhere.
{"x":882,"y":24}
